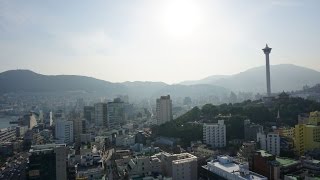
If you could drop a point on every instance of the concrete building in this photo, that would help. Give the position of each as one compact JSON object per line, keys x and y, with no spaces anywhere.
{"x":269,"y":142}
{"x":314,"y":118}
{"x":89,"y":113}
{"x":307,"y":137}
{"x":21,"y":130}
{"x":215,"y":134}
{"x":273,"y":167}
{"x":125,"y":140}
{"x":185,"y":168}
{"x":7,"y":134}
{"x":48,"y":162}
{"x":251,"y":130}
{"x":285,"y":131}
{"x":170,"y":165}
{"x":115,"y":114}
{"x":143,"y":166}
{"x":29,"y":120}
{"x":247,"y":151}
{"x":78,"y":129}
{"x":64,"y":131}
{"x":267,"y":51}
{"x":164,"y":109}
{"x":100,"y":114}
{"x":224,"y":168}
{"x":273,"y":143}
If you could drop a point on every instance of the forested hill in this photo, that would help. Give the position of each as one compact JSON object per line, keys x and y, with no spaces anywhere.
{"x":188,"y":127}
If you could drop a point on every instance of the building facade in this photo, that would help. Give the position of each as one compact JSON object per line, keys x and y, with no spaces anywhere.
{"x":88,"y":113}
{"x":251,"y":130}
{"x":100,"y":114}
{"x":164,"y":109}
{"x":64,"y":132}
{"x":307,"y":138}
{"x":215,"y":134}
{"x":185,"y":168}
{"x":223,"y":168}
{"x":269,"y":142}
{"x":48,"y":162}
{"x":115,"y":114}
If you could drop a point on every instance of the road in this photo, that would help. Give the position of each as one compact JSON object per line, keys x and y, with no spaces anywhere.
{"x":16,"y":168}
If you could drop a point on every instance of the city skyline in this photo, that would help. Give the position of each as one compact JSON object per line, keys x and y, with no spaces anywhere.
{"x":188,"y":40}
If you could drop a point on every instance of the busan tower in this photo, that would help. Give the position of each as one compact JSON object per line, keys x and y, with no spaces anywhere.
{"x":267,"y":51}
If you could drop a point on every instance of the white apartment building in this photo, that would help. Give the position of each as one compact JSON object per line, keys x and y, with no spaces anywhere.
{"x":273,"y":143}
{"x":64,"y":131}
{"x":269,"y":142}
{"x":215,"y":134}
{"x":164,"y":109}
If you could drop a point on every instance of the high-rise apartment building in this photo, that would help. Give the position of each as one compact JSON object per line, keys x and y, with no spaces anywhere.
{"x":164,"y":109}
{"x":215,"y":134}
{"x":269,"y":142}
{"x":64,"y":131}
{"x":88,"y":113}
{"x":273,"y":143}
{"x":100,"y":111}
{"x":48,"y":162}
{"x":78,"y":128}
{"x":115,"y":113}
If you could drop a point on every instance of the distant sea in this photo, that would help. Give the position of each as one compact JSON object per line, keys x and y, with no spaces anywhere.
{"x":5,"y":121}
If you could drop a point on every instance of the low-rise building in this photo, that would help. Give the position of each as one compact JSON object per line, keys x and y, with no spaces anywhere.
{"x":185,"y":168}
{"x":224,"y":168}
{"x":273,"y":167}
{"x":7,"y":134}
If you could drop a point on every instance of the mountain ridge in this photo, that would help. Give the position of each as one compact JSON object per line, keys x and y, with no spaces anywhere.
{"x":29,"y":81}
{"x":284,"y":77}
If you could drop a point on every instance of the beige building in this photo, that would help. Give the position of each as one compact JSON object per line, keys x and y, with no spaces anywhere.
{"x":185,"y":167}
{"x":164,"y":109}
{"x":179,"y":166}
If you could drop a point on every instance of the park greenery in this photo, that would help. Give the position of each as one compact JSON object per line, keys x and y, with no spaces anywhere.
{"x":188,"y":127}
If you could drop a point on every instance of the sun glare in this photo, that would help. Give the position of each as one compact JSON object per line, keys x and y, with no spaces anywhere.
{"x":181,"y":17}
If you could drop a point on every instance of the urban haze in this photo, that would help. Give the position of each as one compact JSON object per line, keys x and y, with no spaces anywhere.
{"x":159,"y":90}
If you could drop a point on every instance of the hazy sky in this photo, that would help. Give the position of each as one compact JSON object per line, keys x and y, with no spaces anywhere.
{"x":156,"y":40}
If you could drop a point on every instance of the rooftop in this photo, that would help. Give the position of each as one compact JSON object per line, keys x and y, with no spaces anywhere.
{"x":233,"y":168}
{"x":264,"y":153}
{"x":286,"y":161}
{"x":45,"y":147}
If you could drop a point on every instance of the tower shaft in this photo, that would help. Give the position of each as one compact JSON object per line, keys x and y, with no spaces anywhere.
{"x":268,"y":75}
{"x":267,"y":51}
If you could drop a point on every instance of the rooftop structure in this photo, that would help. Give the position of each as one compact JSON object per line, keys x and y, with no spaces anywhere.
{"x":224,"y":167}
